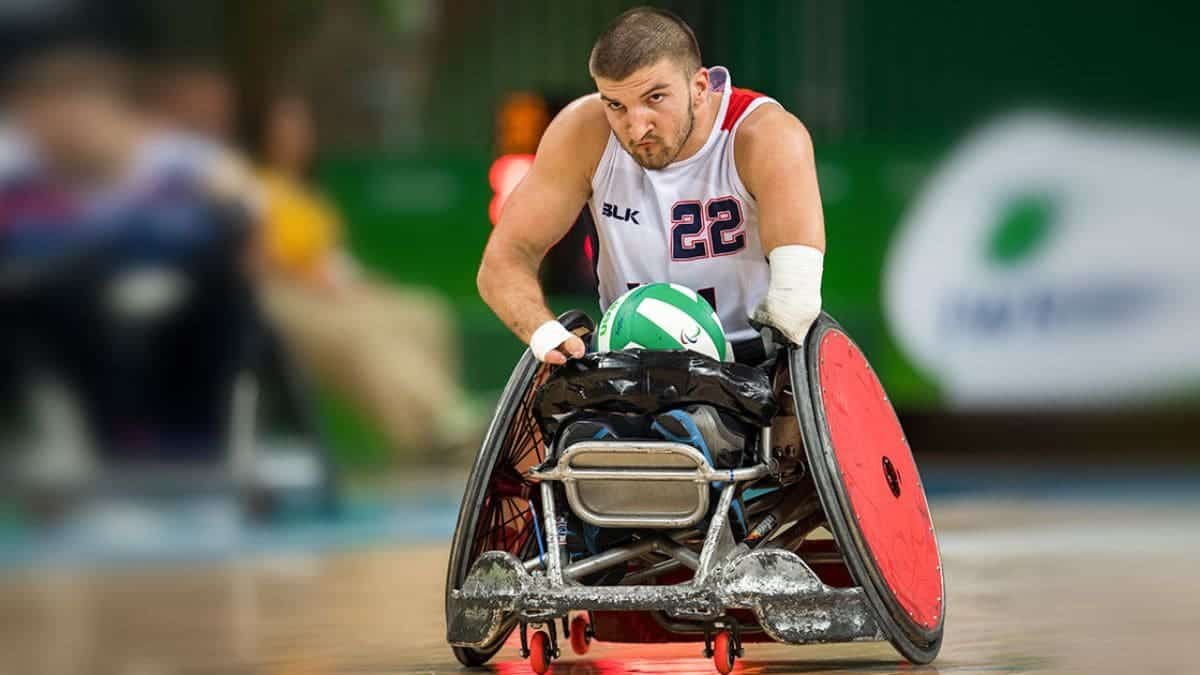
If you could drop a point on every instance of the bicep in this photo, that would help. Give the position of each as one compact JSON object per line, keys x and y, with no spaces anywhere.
{"x":545,"y":204}
{"x":781,"y":174}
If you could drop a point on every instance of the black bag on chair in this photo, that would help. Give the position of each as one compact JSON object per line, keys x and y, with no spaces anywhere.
{"x":644,"y":382}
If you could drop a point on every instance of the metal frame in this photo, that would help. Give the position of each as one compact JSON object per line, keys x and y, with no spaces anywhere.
{"x":788,"y":599}
{"x":702,"y":475}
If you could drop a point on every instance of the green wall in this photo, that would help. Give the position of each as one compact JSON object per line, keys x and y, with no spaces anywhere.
{"x":885,"y":89}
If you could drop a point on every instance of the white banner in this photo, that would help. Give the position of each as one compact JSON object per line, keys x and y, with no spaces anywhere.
{"x":1053,"y":261}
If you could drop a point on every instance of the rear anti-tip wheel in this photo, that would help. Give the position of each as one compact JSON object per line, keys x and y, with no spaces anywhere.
{"x":724,"y":652}
{"x":581,"y":634}
{"x":540,"y":653}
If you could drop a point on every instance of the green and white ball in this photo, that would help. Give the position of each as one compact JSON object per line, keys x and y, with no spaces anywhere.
{"x":663,"y":316}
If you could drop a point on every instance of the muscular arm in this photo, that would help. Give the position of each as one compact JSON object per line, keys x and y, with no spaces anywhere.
{"x":538,"y":213}
{"x":774,"y":157}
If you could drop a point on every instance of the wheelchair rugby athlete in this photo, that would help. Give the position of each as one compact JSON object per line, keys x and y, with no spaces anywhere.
{"x":690,"y":478}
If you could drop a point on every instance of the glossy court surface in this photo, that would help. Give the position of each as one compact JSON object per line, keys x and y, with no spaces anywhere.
{"x":1034,"y":586}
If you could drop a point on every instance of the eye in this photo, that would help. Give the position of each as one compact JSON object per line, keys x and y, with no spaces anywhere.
{"x":613,"y":105}
{"x":657,"y":98}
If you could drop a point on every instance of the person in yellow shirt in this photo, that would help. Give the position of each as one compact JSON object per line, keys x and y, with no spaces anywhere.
{"x":302,"y":233}
{"x":301,"y":237}
{"x":392,"y":350}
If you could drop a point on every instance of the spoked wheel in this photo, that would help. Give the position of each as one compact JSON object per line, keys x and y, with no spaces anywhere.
{"x":500,"y":505}
{"x":505,"y":521}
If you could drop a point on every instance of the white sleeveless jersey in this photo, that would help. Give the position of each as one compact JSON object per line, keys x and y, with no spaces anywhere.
{"x":691,"y":223}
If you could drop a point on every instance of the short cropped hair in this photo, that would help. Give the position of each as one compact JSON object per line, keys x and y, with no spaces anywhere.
{"x":642,"y":37}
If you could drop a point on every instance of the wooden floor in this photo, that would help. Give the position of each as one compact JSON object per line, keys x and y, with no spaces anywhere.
{"x":1051,"y":587}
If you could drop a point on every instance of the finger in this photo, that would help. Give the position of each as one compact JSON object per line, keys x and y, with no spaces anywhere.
{"x":555,"y":357}
{"x":574,"y":346}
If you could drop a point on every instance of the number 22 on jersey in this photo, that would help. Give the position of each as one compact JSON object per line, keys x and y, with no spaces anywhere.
{"x":708,"y":230}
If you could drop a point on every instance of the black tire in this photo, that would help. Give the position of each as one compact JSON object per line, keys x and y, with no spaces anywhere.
{"x":916,"y":643}
{"x":513,"y":443}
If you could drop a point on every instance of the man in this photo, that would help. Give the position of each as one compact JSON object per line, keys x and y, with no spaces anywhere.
{"x":689,"y":180}
{"x":106,"y":224}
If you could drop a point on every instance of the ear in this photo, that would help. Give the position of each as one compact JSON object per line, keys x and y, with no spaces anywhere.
{"x":699,"y":85}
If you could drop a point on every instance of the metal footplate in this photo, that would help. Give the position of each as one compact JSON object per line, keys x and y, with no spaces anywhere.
{"x":790,"y":602}
{"x":643,"y":484}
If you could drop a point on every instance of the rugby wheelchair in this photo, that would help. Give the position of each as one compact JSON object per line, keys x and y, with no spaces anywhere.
{"x":667,"y":497}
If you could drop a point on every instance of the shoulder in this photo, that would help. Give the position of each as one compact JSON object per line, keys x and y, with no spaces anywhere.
{"x":770,"y":128}
{"x":770,"y":138}
{"x":221,"y":172}
{"x":584,"y":119}
{"x":576,"y":137}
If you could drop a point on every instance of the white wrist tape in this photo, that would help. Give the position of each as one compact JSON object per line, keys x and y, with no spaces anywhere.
{"x":793,"y":298}
{"x":546,"y":338}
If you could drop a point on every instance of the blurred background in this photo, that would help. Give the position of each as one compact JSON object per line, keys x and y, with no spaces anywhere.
{"x":238,"y":245}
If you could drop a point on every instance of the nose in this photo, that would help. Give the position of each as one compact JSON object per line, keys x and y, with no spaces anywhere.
{"x":641,"y":123}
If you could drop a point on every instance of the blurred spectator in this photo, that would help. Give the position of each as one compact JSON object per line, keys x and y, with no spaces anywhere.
{"x":195,"y":96}
{"x":76,"y":124}
{"x":122,"y":245}
{"x":302,"y":230}
{"x":393,"y":350}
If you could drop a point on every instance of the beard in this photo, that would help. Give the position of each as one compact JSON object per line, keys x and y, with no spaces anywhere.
{"x":661,"y":155}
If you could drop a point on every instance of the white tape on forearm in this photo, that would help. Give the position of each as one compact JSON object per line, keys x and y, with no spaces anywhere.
{"x":793,"y":299}
{"x":796,"y":270}
{"x":546,"y":338}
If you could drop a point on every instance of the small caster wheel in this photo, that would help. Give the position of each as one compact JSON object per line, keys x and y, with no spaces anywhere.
{"x":540,"y":653}
{"x":581,"y":634}
{"x":724,"y":652}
